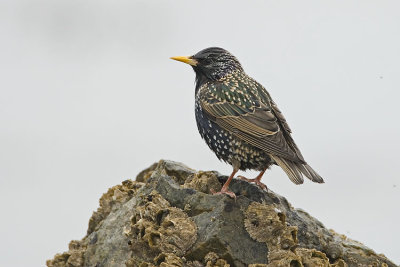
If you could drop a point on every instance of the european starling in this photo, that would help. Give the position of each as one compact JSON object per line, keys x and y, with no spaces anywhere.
{"x":240,"y":122}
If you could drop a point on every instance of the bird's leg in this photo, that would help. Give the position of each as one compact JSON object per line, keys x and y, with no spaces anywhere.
{"x":224,"y":189}
{"x":256,"y":180}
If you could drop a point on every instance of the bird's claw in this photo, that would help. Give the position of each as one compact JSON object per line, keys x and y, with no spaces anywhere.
{"x":254,"y":180}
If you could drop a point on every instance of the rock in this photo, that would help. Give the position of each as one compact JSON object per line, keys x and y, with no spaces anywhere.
{"x":167,"y":217}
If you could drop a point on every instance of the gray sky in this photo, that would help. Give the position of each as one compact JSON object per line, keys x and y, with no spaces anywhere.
{"x":89,"y":97}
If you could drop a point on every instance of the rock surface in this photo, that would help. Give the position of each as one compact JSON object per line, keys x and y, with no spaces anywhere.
{"x":167,"y":217}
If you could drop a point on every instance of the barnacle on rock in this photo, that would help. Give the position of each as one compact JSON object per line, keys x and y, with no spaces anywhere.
{"x":113,"y":199}
{"x":74,"y":257}
{"x":168,"y":260}
{"x":203,"y":182}
{"x":213,"y":260}
{"x":265,"y":224}
{"x":168,"y":218}
{"x":161,"y":227}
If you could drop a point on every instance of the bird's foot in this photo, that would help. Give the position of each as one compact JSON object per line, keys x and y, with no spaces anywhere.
{"x":224,"y":191}
{"x":254,"y":180}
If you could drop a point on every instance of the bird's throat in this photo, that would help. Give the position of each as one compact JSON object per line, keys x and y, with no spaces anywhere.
{"x":200,"y":80}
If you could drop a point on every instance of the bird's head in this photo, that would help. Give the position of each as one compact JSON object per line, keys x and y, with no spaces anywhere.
{"x":211,"y":64}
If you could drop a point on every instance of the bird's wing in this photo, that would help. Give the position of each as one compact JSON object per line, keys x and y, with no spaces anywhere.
{"x":281,"y":120}
{"x":251,"y":116}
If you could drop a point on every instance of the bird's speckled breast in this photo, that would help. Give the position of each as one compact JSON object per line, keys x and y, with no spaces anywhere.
{"x":228,"y":147}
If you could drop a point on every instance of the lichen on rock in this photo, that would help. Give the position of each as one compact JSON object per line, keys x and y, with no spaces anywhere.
{"x":168,"y":217}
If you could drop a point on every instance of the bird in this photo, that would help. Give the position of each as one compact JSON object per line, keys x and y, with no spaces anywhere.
{"x":240,"y":122}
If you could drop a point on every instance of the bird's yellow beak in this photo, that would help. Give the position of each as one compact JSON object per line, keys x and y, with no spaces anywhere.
{"x":187,"y":60}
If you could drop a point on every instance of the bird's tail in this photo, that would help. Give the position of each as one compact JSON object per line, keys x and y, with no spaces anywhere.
{"x":296,"y":170}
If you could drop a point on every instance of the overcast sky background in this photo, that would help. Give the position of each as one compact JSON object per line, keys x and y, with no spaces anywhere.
{"x":89,"y":97}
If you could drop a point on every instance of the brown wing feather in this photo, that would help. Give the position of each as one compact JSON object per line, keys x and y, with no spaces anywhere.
{"x":257,"y":125}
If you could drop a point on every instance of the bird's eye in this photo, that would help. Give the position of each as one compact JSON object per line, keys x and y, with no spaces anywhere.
{"x":207,"y":61}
